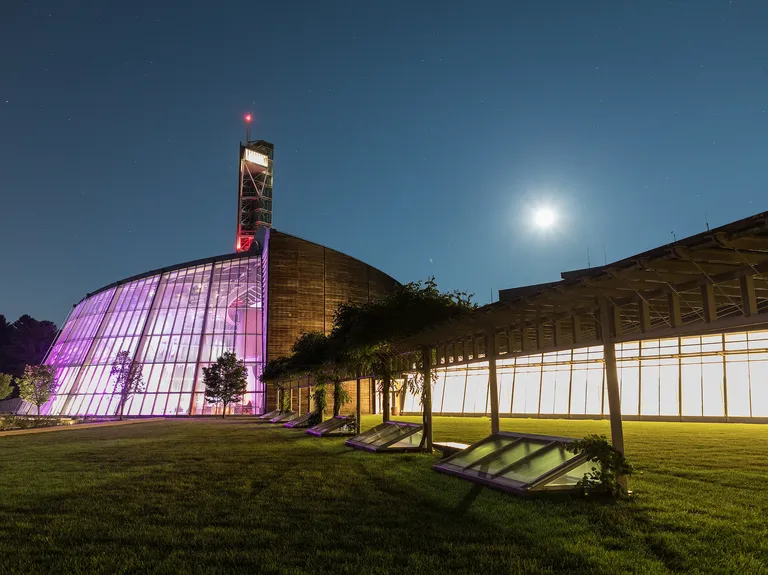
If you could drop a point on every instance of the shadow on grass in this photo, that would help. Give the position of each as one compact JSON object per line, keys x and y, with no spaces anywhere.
{"x":262,"y":499}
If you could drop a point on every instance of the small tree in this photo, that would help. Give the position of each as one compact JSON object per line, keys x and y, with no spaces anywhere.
{"x":37,"y":384}
{"x":225,"y":381}
{"x":6,"y":385}
{"x":340,"y":396}
{"x":319,"y":400}
{"x":128,"y":378}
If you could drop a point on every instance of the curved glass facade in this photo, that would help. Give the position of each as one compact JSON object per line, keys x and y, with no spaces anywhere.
{"x":173,"y":323}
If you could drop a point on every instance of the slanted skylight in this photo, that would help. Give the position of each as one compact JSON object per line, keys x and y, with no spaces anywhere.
{"x":518,"y":462}
{"x":335,"y":427}
{"x":283,"y":417}
{"x":389,"y":436}
{"x":300,"y":421}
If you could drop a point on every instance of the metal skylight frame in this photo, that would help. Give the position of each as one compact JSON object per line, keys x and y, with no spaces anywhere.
{"x":483,"y":471}
{"x":300,"y":421}
{"x":333,"y":427}
{"x":283,"y":417}
{"x":383,"y":439}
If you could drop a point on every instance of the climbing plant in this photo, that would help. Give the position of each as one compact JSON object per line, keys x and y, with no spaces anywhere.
{"x":610,"y":465}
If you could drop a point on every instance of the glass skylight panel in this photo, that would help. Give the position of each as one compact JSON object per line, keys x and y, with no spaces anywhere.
{"x":335,"y":426}
{"x":389,"y":436}
{"x":469,"y":456}
{"x":508,"y":456}
{"x":543,"y":461}
{"x":300,"y":421}
{"x":411,"y":441}
{"x":519,"y":462}
{"x":572,"y":477}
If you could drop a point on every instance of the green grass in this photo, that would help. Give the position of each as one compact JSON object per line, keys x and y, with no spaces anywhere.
{"x":234,"y":496}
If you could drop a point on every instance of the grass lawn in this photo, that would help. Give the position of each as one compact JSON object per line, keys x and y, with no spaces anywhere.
{"x":234,"y":496}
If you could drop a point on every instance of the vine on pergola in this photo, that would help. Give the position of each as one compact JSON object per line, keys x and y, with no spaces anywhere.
{"x":364,"y":338}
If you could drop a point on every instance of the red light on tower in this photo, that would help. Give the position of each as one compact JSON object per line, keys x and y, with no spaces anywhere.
{"x":248,"y":119}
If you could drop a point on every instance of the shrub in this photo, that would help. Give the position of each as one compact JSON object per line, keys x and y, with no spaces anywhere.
{"x":612,"y":465}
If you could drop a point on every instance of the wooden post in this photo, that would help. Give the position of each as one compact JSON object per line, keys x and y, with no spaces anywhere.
{"x":644,"y":311}
{"x":385,"y":387}
{"x":357,"y":407}
{"x":426,"y":398}
{"x":748,"y":298}
{"x":493,"y":387}
{"x":673,"y":303}
{"x":612,"y":380}
{"x":708,"y":302}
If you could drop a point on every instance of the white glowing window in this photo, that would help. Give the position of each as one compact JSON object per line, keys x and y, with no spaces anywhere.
{"x":629,"y":386}
{"x":737,"y":374}
{"x":669,"y":387}
{"x":437,"y":392}
{"x":579,"y":391}
{"x":526,"y":392}
{"x":649,"y":390}
{"x":476,"y":394}
{"x":505,"y":380}
{"x":453,"y":396}
{"x":758,"y":376}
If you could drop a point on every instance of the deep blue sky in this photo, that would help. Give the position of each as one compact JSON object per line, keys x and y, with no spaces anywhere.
{"x":416,"y":136}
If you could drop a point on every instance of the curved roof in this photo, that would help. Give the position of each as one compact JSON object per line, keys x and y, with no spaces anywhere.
{"x":211,"y":259}
{"x":712,"y":281}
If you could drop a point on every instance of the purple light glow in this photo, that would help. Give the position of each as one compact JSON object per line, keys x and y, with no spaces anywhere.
{"x":174,"y":323}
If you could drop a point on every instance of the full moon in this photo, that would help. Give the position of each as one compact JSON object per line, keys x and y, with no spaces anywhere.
{"x":544,"y":218}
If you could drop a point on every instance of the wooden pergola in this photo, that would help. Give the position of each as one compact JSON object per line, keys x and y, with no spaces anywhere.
{"x":715,"y":281}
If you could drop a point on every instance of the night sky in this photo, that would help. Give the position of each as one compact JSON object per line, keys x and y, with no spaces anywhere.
{"x":416,"y":136}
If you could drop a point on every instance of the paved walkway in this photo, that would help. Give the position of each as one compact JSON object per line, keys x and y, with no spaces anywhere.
{"x":79,"y":426}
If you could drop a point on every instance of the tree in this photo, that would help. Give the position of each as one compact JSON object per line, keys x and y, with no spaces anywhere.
{"x":5,"y":340}
{"x":371,"y":333}
{"x":319,"y":402}
{"x":225,"y":381}
{"x":365,"y":338}
{"x":128,"y":378}
{"x":37,"y":385}
{"x":340,"y":395}
{"x":313,"y":354}
{"x":6,"y":385}
{"x":28,"y":340}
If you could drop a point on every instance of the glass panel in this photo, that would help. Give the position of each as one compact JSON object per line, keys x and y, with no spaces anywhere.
{"x":544,"y":461}
{"x":453,"y":396}
{"x":758,"y":376}
{"x":691,"y":384}
{"x":572,"y":477}
{"x":468,"y":457}
{"x":737,"y":373}
{"x":505,"y":380}
{"x":649,"y":391}
{"x":413,"y":440}
{"x":381,"y":435}
{"x":509,"y":456}
{"x":713,"y":395}
{"x":437,"y":393}
{"x":595,"y":387}
{"x":476,"y":392}
{"x":526,"y":391}
{"x":629,"y":386}
{"x":547,"y":400}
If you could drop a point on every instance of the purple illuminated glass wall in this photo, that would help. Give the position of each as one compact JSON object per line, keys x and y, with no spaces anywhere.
{"x":174,"y":323}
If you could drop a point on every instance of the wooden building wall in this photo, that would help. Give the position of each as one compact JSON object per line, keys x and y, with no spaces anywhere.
{"x":306,"y":283}
{"x":300,"y":397}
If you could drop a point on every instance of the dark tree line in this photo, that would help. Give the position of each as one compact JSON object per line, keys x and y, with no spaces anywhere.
{"x":24,"y":342}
